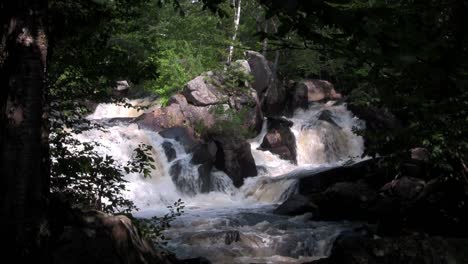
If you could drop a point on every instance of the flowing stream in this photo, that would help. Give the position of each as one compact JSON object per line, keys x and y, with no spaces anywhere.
{"x":229,"y":224}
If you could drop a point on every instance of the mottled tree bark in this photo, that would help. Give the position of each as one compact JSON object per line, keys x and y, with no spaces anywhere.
{"x":23,"y":139}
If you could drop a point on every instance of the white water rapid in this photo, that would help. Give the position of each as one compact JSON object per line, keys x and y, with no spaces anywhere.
{"x":228,"y":224}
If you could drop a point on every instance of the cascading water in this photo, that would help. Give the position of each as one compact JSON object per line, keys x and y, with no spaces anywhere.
{"x":231,"y":225}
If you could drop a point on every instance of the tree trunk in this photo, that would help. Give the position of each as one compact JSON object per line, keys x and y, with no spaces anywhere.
{"x":23,"y":177}
{"x":237,"y":14}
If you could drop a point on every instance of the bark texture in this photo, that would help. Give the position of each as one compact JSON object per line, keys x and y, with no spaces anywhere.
{"x":23,"y":177}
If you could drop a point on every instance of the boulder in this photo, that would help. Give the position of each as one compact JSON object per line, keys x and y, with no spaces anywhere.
{"x":94,"y":237}
{"x":345,"y":200}
{"x":296,"y":205}
{"x":235,"y":159}
{"x":438,"y":207}
{"x":199,"y":92}
{"x":272,"y":93}
{"x":317,"y":182}
{"x":122,"y":85}
{"x":375,"y":118}
{"x":121,"y":88}
{"x":280,"y":140}
{"x":345,"y":192}
{"x":169,"y":151}
{"x":405,"y":188}
{"x":308,"y":91}
{"x":184,"y":135}
{"x":352,"y":248}
{"x":243,"y":65}
{"x":275,"y":99}
{"x":261,"y":72}
{"x":162,"y":118}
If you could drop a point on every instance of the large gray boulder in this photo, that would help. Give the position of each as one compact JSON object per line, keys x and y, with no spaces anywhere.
{"x":200,"y":92}
{"x":260,"y":69}
{"x":271,"y":92}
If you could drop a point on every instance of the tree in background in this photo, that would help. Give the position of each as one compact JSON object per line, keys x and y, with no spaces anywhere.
{"x":237,"y":4}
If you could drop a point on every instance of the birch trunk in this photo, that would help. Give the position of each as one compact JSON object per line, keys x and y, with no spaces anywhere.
{"x":237,"y":14}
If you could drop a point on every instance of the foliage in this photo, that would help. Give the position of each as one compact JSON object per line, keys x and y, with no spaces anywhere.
{"x":236,"y":79}
{"x":187,"y":46}
{"x":409,"y":57}
{"x":154,"y":227}
{"x":227,"y":122}
{"x":233,"y":80}
{"x":176,"y":64}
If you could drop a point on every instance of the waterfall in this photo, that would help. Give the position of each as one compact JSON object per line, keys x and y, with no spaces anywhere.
{"x":324,"y":137}
{"x":324,"y":134}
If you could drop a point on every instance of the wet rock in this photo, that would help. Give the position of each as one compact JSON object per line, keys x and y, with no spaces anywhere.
{"x":183,"y":135}
{"x":169,"y":151}
{"x":231,"y":237}
{"x":327,"y":116}
{"x":205,"y":159}
{"x":345,"y":200}
{"x":280,"y":140}
{"x":317,"y":182}
{"x":235,"y":159}
{"x":201,"y":156}
{"x":275,"y":99}
{"x":121,"y":88}
{"x":94,"y":237}
{"x":358,"y":249}
{"x":296,"y":205}
{"x":199,"y":92}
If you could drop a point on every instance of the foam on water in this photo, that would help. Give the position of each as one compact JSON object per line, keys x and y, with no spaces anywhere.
{"x":239,"y":214}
